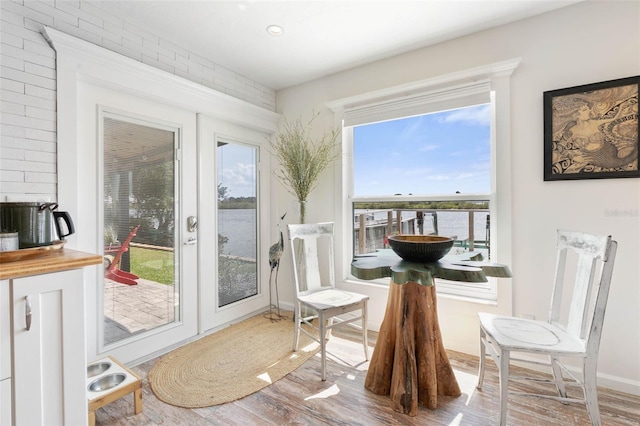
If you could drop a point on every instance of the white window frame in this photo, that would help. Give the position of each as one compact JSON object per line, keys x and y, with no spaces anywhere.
{"x":477,"y":85}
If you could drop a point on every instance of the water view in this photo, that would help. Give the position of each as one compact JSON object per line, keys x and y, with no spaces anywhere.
{"x":235,"y":224}
{"x":239,"y":226}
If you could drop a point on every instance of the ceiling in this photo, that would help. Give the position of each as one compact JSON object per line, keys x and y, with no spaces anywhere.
{"x":320,"y":37}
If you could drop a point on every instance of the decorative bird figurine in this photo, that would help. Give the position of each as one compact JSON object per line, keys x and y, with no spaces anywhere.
{"x":275,"y":253}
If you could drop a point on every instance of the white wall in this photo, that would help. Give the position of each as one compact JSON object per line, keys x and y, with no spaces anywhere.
{"x":584,"y":43}
{"x":28,"y":82}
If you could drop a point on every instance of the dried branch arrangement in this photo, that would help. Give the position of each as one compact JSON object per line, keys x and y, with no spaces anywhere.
{"x":302,"y":158}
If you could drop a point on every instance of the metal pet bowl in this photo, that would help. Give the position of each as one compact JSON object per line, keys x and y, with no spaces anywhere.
{"x":420,"y":248}
{"x":97,"y":368}
{"x":107,"y":382}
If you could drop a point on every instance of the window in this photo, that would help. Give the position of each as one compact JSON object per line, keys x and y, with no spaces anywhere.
{"x":237,"y":179}
{"x":422,"y":158}
{"x":418,"y":160}
{"x":139,"y":202}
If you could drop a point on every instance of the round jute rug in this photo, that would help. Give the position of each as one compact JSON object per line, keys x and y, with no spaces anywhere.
{"x":229,"y":364}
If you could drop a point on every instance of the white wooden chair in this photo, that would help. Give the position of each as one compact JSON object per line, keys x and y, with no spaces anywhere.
{"x":572,"y":334}
{"x":314,"y":277}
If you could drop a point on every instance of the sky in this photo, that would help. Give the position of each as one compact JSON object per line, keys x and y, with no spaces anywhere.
{"x":433,"y":154}
{"x":237,"y":170}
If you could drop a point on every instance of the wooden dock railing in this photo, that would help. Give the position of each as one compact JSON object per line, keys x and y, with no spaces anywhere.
{"x":414,"y":224}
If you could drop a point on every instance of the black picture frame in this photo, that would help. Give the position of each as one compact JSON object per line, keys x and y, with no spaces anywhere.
{"x":591,"y":131}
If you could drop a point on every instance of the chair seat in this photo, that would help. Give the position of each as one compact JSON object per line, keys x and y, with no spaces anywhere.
{"x":525,"y":335}
{"x":331,"y":298}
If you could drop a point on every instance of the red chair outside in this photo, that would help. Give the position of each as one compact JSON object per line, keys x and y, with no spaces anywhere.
{"x":113,"y":271}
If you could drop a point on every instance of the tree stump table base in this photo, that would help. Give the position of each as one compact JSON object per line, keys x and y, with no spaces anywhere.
{"x":409,"y":362}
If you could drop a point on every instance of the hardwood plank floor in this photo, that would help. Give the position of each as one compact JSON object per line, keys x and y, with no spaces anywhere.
{"x":301,"y":398}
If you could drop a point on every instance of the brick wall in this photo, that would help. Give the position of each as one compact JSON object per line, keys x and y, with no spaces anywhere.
{"x":28,"y":82}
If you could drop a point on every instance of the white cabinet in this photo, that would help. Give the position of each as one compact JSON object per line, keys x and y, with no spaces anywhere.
{"x":5,"y":402}
{"x":5,"y":331}
{"x":43,"y":364}
{"x":49,"y":360}
{"x":5,"y":354}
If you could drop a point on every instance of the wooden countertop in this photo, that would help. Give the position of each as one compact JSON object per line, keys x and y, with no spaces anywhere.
{"x":50,"y":261}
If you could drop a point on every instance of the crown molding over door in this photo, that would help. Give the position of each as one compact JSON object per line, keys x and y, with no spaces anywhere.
{"x":97,"y":64}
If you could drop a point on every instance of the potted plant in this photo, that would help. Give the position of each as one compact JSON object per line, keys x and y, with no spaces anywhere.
{"x":302,"y":158}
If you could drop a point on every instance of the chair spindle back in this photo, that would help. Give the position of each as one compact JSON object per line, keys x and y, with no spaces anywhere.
{"x":595,"y":256}
{"x":312,"y":257}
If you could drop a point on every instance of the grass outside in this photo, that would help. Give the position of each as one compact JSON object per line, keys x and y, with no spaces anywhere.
{"x":152,"y":265}
{"x":158,"y":266}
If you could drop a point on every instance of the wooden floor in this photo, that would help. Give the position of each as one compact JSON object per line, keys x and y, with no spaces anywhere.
{"x":301,"y":398}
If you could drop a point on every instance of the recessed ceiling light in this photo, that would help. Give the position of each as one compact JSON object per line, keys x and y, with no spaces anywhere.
{"x":275,"y":30}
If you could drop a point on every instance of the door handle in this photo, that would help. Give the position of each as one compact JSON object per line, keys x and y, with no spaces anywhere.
{"x":191,"y":241}
{"x":192,"y":224}
{"x":27,"y":312}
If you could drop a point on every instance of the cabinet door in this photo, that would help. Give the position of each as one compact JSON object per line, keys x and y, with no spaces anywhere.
{"x":5,"y":331}
{"x":5,"y":402}
{"x":5,"y":354}
{"x":49,"y":349}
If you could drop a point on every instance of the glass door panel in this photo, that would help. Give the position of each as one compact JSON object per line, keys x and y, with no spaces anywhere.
{"x":139,"y":204}
{"x":231,"y":231}
{"x":237,"y":182}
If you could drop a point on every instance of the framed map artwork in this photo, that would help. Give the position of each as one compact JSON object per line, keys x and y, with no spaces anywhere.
{"x":591,"y":131}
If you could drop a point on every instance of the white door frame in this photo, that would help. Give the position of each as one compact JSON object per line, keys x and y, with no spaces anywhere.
{"x":210,"y":131}
{"x":78,"y":60}
{"x":95,"y":103}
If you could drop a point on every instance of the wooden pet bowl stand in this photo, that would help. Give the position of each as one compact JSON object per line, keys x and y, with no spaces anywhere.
{"x":131,"y":383}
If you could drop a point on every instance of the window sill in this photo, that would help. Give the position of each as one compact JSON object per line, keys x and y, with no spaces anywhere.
{"x":380,"y":284}
{"x":469,"y":299}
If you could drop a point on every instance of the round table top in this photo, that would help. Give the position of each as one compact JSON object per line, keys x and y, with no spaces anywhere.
{"x":467,"y":267}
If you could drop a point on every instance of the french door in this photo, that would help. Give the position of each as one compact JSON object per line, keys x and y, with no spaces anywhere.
{"x":233,"y":218}
{"x":137,"y":169}
{"x":140,"y":157}
{"x":177,"y":214}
